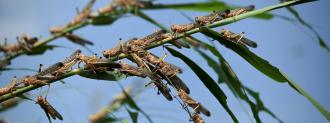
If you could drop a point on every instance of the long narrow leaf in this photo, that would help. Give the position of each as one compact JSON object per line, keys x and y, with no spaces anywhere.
{"x":207,"y":81}
{"x":227,"y":75}
{"x":304,"y":23}
{"x":263,"y":66}
{"x":204,"y":7}
{"x":133,"y":115}
{"x":259,"y":63}
{"x":133,"y":105}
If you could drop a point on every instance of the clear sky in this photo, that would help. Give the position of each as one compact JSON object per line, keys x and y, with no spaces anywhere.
{"x":289,"y":46}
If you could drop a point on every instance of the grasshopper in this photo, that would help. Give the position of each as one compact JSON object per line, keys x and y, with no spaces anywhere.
{"x":83,"y":15}
{"x":182,"y":28}
{"x":48,"y":109}
{"x":237,"y":38}
{"x":239,"y":11}
{"x":197,"y":118}
{"x":10,"y":88}
{"x":211,"y":18}
{"x":33,"y":80}
{"x":50,"y":69}
{"x":193,"y":103}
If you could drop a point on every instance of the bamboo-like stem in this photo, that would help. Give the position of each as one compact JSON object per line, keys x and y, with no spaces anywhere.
{"x":121,"y":56}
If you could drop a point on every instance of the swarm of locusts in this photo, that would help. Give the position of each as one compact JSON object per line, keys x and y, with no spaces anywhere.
{"x":148,"y":65}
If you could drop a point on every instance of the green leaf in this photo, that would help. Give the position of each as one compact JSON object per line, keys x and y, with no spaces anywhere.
{"x":150,"y":20}
{"x":103,"y":20}
{"x":304,"y":23}
{"x":259,"y":104}
{"x":204,"y":7}
{"x":133,"y":115}
{"x":40,"y":50}
{"x":257,"y":62}
{"x":323,"y":111}
{"x":227,"y":75}
{"x":108,"y":119}
{"x":263,"y":66}
{"x":131,"y":103}
{"x":105,"y":75}
{"x":207,"y":81}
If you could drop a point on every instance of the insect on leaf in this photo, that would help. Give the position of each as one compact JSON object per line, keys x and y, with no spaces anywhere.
{"x":207,"y":81}
{"x":264,"y":66}
{"x":205,"y":7}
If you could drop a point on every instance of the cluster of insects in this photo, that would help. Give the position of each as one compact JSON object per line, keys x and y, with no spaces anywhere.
{"x":217,"y":16}
{"x":25,"y":42}
{"x":148,"y":65}
{"x":157,"y":70}
{"x":237,"y":38}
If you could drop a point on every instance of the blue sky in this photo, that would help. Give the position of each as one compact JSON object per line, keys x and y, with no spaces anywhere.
{"x":289,"y":46}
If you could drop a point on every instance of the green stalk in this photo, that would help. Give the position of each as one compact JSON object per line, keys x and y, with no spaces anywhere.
{"x":121,"y":56}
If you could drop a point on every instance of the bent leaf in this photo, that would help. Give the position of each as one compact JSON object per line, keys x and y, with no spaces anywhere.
{"x":207,"y":81}
{"x":304,"y":23}
{"x":40,"y":50}
{"x":106,"y":75}
{"x":256,"y":61}
{"x":264,"y":67}
{"x":133,"y":115}
{"x":204,"y":7}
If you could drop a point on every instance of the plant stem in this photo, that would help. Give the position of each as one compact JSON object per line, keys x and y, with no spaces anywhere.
{"x":121,"y":56}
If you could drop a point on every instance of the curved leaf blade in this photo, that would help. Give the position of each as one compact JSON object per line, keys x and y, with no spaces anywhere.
{"x":204,"y":7}
{"x":319,"y":107}
{"x":256,"y":61}
{"x":40,"y":50}
{"x":264,"y":67}
{"x":207,"y":81}
{"x":310,"y":27}
{"x":106,"y":75}
{"x":133,"y":115}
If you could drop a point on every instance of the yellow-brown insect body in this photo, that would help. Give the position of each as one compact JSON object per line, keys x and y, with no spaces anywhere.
{"x":83,"y":15}
{"x":50,"y":69}
{"x":197,"y":118}
{"x":239,"y":11}
{"x":48,"y":109}
{"x":181,"y":28}
{"x":162,"y":88}
{"x":193,"y":103}
{"x":32,"y":80}
{"x":237,"y":38}
{"x":10,"y":48}
{"x":132,"y":70}
{"x":77,"y":39}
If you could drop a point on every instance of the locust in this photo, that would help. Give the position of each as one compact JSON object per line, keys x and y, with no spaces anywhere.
{"x":77,"y":39}
{"x":10,"y":88}
{"x":141,"y":72}
{"x":48,"y":109}
{"x":182,"y":28}
{"x":50,"y":69}
{"x":211,"y":18}
{"x":193,"y":103}
{"x":237,"y":38}
{"x":132,"y":3}
{"x":89,"y":61}
{"x":121,"y":48}
{"x":67,"y":63}
{"x":133,"y":70}
{"x":83,"y":15}
{"x":197,"y":118}
{"x":33,"y":80}
{"x":239,"y":11}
